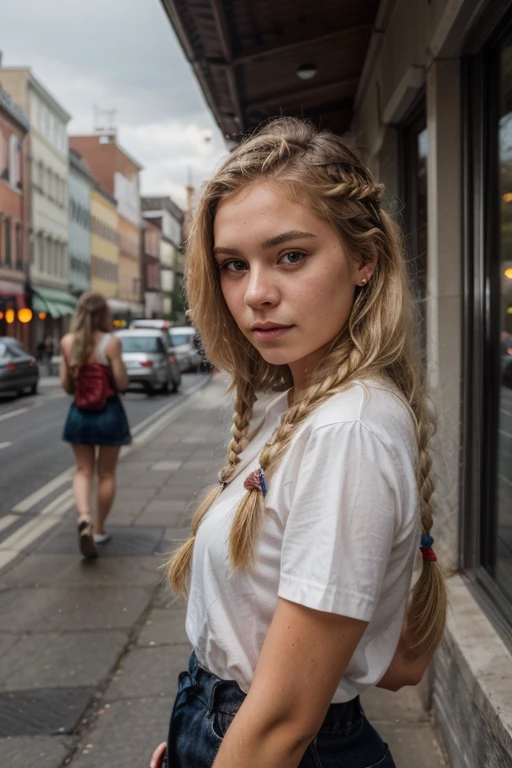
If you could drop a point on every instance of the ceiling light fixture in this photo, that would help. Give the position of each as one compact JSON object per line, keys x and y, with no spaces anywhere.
{"x":306,"y":71}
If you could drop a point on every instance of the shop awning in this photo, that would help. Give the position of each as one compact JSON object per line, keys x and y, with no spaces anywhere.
{"x":52,"y":301}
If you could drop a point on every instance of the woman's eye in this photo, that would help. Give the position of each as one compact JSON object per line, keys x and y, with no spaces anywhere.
{"x":294,"y":257}
{"x":235,"y":265}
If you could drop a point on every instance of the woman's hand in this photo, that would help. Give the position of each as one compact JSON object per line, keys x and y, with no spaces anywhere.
{"x":158,"y":756}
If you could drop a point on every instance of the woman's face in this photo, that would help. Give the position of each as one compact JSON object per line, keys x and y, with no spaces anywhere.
{"x":286,"y":277}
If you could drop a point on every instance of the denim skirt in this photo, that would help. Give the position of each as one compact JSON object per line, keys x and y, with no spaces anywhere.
{"x":107,"y":427}
{"x":205,"y":707}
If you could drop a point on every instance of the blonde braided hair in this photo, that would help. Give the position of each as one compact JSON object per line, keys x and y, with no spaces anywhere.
{"x":319,"y":170}
{"x":91,"y":315}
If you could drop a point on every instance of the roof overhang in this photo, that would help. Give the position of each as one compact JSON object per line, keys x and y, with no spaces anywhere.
{"x":246,"y":55}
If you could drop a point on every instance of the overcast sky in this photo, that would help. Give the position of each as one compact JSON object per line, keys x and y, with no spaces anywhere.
{"x":122,"y":55}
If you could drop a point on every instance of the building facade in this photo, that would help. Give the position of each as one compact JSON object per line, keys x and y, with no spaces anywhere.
{"x":118,"y":174}
{"x":426,"y":96}
{"x":164,"y":213}
{"x":104,"y":244}
{"x":152,"y":235}
{"x":14,"y":219}
{"x":49,"y":167}
{"x":81,"y":185}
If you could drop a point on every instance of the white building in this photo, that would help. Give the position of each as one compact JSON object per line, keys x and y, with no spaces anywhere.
{"x":49,"y":257}
{"x":81,"y":183}
{"x":169,"y":217}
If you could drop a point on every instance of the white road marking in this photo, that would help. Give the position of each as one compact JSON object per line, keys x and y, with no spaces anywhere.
{"x":4,"y":445}
{"x":6,"y":521}
{"x":35,"y":497}
{"x":24,"y":536}
{"x":60,"y":505}
{"x":10,"y":414}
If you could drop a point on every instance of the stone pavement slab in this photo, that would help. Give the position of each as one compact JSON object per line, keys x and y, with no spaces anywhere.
{"x":126,"y":541}
{"x":37,"y":751}
{"x":49,"y":659}
{"x":148,"y":672}
{"x":70,"y":570}
{"x":59,"y":608}
{"x":125,"y":734}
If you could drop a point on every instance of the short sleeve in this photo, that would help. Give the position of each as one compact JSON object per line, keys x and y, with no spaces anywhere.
{"x":341,"y":525}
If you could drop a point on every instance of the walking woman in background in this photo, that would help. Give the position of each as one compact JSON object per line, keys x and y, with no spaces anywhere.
{"x":92,"y":369}
{"x":298,"y":572}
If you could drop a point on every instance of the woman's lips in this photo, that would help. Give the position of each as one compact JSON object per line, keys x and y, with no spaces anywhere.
{"x":271,"y":333}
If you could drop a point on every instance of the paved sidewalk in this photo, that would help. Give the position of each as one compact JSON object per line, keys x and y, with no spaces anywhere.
{"x":90,"y":652}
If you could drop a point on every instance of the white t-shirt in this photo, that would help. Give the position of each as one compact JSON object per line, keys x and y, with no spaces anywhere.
{"x":340,"y":535}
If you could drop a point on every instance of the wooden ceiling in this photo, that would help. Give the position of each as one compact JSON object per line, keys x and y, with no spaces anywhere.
{"x":246,"y":53}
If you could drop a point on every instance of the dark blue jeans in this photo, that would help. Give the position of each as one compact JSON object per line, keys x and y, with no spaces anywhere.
{"x":205,"y":707}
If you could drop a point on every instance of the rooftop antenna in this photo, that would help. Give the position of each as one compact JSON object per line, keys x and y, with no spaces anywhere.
{"x":105,"y":123}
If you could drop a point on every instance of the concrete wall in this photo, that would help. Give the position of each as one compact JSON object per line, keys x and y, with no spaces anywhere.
{"x":419,"y":48}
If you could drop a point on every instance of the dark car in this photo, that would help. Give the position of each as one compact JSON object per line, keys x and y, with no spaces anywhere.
{"x":18,"y":370}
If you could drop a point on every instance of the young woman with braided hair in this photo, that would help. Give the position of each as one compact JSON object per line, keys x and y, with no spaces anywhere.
{"x":299,"y":568}
{"x":93,"y":371}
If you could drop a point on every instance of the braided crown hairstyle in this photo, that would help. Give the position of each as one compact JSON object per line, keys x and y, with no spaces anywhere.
{"x":320,"y":170}
{"x":92,"y":314}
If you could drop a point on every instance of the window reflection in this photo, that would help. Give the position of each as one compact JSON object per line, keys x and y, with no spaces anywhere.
{"x":504,"y":463}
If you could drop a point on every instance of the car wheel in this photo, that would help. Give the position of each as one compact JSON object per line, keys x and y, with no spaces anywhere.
{"x":149,"y":390}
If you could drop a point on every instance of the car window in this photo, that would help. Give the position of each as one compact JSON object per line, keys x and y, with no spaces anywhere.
{"x":161,"y":347}
{"x":4,"y":351}
{"x":148,"y":344}
{"x":16,"y":351}
{"x":181,"y":338}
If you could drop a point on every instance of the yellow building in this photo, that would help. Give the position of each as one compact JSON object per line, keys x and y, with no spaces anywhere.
{"x":104,"y":244}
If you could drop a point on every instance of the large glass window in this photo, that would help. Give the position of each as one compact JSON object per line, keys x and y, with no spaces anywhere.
{"x":487,"y":407}
{"x":413,"y":193}
{"x":503,"y":301}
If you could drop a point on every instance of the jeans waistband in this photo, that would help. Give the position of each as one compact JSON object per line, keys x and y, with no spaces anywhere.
{"x":226,"y":696}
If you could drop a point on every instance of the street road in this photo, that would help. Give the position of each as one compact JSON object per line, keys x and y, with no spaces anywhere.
{"x":31,"y":449}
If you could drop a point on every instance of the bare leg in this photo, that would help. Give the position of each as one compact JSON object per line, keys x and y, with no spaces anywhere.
{"x":84,"y":460}
{"x":107,"y":463}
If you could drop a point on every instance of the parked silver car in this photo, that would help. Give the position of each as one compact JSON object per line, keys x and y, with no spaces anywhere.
{"x":18,"y":370}
{"x":183,"y":339}
{"x":149,"y":360}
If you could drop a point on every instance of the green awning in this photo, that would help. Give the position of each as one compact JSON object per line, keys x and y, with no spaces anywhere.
{"x":54,"y":302}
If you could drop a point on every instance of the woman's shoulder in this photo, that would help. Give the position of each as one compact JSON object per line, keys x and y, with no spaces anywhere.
{"x":375,"y":404}
{"x":67,"y":341}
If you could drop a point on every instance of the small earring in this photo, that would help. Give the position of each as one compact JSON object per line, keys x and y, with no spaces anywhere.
{"x":364,"y":280}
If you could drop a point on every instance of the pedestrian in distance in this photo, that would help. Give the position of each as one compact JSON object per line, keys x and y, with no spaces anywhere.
{"x":93,"y":371}
{"x":299,"y":568}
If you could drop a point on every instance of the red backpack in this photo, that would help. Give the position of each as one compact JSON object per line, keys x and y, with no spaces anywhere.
{"x":92,"y":387}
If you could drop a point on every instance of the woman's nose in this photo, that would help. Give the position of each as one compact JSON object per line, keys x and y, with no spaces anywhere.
{"x":261,"y":289}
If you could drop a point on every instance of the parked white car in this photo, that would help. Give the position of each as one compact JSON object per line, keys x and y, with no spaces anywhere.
{"x":186,"y":351}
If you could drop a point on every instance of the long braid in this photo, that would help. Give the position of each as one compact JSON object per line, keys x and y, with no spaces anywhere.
{"x":180,"y":561}
{"x":251,"y":510}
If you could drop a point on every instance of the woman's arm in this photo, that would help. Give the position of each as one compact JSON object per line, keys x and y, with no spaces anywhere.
{"x":301,"y":663}
{"x":114,"y":351}
{"x":64,"y":373}
{"x":404,"y":669}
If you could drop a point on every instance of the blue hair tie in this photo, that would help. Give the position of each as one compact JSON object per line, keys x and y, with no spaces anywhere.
{"x":426,"y":542}
{"x":256,"y":482}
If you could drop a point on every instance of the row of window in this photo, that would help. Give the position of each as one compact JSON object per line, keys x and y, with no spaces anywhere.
{"x":49,"y":255}
{"x":79,"y":214}
{"x":10,"y":160}
{"x":79,"y":266}
{"x":11,"y":243}
{"x":49,"y":183}
{"x":106,"y":270}
{"x":129,"y":246}
{"x":101,"y":229}
{"x":52,"y":128}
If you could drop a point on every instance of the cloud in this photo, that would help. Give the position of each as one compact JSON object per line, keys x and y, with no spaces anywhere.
{"x":121,"y":55}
